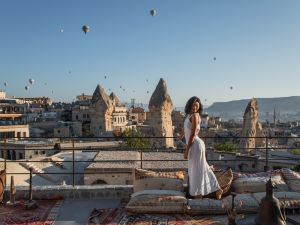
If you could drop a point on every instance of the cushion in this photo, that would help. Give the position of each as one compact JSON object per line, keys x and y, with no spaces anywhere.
{"x":244,"y":203}
{"x":260,"y":174}
{"x":292,"y":179}
{"x":150,"y":180}
{"x":287,"y":199}
{"x":290,"y":174}
{"x":258,"y":184}
{"x":157,"y":201}
{"x":205,"y":206}
{"x":2,"y":184}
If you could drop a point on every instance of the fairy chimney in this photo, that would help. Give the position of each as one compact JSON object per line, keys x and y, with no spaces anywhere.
{"x":251,"y":128}
{"x":101,"y":112}
{"x":115,"y":99}
{"x":159,"y":118}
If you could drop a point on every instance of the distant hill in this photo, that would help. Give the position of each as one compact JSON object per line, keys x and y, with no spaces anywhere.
{"x":287,"y":108}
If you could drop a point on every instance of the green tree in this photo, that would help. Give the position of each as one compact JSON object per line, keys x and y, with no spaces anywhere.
{"x":134,"y":139}
{"x":295,"y":151}
{"x":226,"y":147}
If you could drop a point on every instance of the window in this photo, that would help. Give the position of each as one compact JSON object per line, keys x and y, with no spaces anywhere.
{"x":58,"y":131}
{"x":20,"y":156}
{"x":24,"y":134}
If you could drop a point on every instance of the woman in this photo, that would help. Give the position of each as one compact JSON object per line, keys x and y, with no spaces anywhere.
{"x":202,"y":180}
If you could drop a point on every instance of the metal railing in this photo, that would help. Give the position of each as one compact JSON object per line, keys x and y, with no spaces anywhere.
{"x":9,"y":145}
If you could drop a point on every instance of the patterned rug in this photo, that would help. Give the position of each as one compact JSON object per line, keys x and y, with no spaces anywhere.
{"x":45,"y":214}
{"x":119,"y":216}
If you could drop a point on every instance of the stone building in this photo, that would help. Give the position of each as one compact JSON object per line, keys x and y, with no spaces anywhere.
{"x":101,"y":110}
{"x":118,"y":171}
{"x":106,"y":113}
{"x":252,"y":129}
{"x":67,"y":129}
{"x":177,"y":121}
{"x":159,"y":117}
{"x":137,"y":115}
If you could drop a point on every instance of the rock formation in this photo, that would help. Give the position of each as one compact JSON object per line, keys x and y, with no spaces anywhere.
{"x":101,"y":109}
{"x":251,"y":128}
{"x":159,"y":117}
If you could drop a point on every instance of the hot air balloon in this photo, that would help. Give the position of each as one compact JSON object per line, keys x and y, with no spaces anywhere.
{"x":147,"y":92}
{"x":123,"y":89}
{"x":120,"y":86}
{"x":31,"y":81}
{"x":85,"y":28}
{"x":109,"y":89}
{"x":61,"y":30}
{"x":45,"y":83}
{"x":52,"y":92}
{"x":152,"y":12}
{"x":105,"y":77}
{"x":146,"y":80}
{"x":5,"y":84}
{"x":26,"y":88}
{"x":231,"y":87}
{"x":70,"y":71}
{"x":206,"y":100}
{"x":215,"y":58}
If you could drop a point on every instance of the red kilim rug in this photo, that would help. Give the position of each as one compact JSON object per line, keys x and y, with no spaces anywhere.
{"x":45,"y":214}
{"x":119,"y":216}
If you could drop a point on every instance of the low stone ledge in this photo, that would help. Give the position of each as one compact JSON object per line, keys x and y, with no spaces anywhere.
{"x":77,"y":192}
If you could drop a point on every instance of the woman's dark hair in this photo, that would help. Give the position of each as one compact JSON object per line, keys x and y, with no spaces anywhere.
{"x":189,"y":104}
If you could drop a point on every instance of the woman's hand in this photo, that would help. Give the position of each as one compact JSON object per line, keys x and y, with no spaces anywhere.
{"x":186,"y":153}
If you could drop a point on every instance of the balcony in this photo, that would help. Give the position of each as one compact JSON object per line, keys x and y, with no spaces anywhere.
{"x":78,"y":171}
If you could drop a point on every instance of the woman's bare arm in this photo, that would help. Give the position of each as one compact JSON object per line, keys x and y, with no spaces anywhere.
{"x":195,"y":121}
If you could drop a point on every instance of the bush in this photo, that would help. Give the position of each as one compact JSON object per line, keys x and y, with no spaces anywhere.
{"x":135,"y":140}
{"x":225,"y":147}
{"x":295,"y":151}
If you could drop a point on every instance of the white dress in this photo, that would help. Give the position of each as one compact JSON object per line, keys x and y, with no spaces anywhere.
{"x":202,"y":179}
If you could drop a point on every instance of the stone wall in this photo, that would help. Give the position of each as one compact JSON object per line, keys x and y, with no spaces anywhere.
{"x":108,"y":178}
{"x":77,"y":192}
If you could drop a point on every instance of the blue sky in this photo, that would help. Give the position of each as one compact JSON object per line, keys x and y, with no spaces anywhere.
{"x":256,"y":45}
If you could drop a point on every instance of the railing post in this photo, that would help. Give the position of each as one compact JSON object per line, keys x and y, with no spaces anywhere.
{"x":141,"y":159}
{"x":267,"y":156}
{"x":73,"y":162}
{"x":5,"y":158}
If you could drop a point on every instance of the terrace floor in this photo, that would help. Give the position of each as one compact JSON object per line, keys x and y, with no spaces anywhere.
{"x":76,"y":212}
